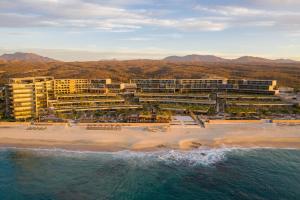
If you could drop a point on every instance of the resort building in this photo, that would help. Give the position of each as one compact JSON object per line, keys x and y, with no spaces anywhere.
{"x":169,"y":98}
{"x":87,"y":102}
{"x":28,"y":97}
{"x":33,"y":97}
{"x":205,"y":85}
{"x":78,"y":86}
{"x":155,"y":85}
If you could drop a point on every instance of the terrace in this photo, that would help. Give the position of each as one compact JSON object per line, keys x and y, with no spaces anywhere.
{"x":183,"y":101}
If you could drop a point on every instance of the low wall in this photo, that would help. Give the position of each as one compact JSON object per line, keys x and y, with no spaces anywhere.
{"x":79,"y":124}
{"x":288,"y":121}
{"x":217,"y":121}
{"x":292,"y":121}
{"x":50,"y":123}
{"x":14,"y":123}
{"x":125,"y":124}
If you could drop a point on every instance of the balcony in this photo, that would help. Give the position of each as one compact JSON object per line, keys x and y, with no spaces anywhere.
{"x":17,"y":96}
{"x":23,"y":100}
{"x":24,"y":91}
{"x":23,"y":109}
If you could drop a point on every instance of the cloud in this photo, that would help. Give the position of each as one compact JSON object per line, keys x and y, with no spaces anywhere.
{"x":132,"y":15}
{"x":154,"y":37}
{"x":229,"y":10}
{"x":277,"y":2}
{"x":138,"y":39}
{"x":88,"y":14}
{"x":247,"y":16}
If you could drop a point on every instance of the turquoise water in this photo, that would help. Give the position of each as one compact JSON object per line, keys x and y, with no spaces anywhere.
{"x":198,"y":174}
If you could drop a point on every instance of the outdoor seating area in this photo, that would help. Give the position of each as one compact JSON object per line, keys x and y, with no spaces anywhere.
{"x":103,"y":127}
{"x":36,"y":128}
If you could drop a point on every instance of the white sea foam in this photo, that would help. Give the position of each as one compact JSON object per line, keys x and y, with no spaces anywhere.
{"x":201,"y":156}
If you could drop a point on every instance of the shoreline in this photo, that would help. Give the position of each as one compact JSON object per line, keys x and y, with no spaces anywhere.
{"x":225,"y":148}
{"x":95,"y":149}
{"x":48,"y":145}
{"x":143,"y":138}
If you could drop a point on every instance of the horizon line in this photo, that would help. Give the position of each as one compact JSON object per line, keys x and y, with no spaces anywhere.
{"x":90,"y":55}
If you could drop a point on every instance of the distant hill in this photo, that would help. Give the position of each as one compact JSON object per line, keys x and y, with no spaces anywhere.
{"x":195,"y":58}
{"x":30,"y":57}
{"x":287,"y":74}
{"x":286,"y":61}
{"x":251,"y":59}
{"x":212,"y":59}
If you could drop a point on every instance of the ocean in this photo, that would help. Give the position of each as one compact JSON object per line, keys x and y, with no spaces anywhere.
{"x":36,"y":174}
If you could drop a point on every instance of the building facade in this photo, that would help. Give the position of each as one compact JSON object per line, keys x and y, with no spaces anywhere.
{"x":205,"y":85}
{"x":155,"y":85}
{"x":33,"y":97}
{"x":79,"y":86}
{"x":28,"y":97}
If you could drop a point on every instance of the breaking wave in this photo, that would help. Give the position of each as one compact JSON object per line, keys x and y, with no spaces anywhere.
{"x":201,"y":156}
{"x":192,"y":157}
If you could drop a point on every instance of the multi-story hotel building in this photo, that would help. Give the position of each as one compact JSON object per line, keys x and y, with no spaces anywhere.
{"x":87,"y":95}
{"x":28,"y":97}
{"x":155,"y":85}
{"x":78,"y":86}
{"x":32,"y":97}
{"x":35,"y":96}
{"x":205,"y":85}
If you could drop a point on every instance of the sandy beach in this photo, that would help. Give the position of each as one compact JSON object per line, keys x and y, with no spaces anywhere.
{"x":143,"y":137}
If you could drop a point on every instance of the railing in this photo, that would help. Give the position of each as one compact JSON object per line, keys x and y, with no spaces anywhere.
{"x":186,"y":101}
{"x":23,"y":99}
{"x":68,"y":109}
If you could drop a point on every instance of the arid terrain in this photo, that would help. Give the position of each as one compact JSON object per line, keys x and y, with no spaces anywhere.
{"x":287,"y":74}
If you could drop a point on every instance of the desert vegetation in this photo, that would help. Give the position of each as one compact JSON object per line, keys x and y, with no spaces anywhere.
{"x":286,"y":74}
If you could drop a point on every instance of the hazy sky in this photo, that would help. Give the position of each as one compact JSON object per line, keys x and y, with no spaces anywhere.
{"x":124,"y":29}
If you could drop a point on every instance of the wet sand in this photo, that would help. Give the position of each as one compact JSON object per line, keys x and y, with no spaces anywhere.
{"x":142,"y":138}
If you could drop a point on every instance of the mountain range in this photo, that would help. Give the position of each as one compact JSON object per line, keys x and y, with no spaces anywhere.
{"x":23,"y":65}
{"x":30,"y":57}
{"x":215,"y":59}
